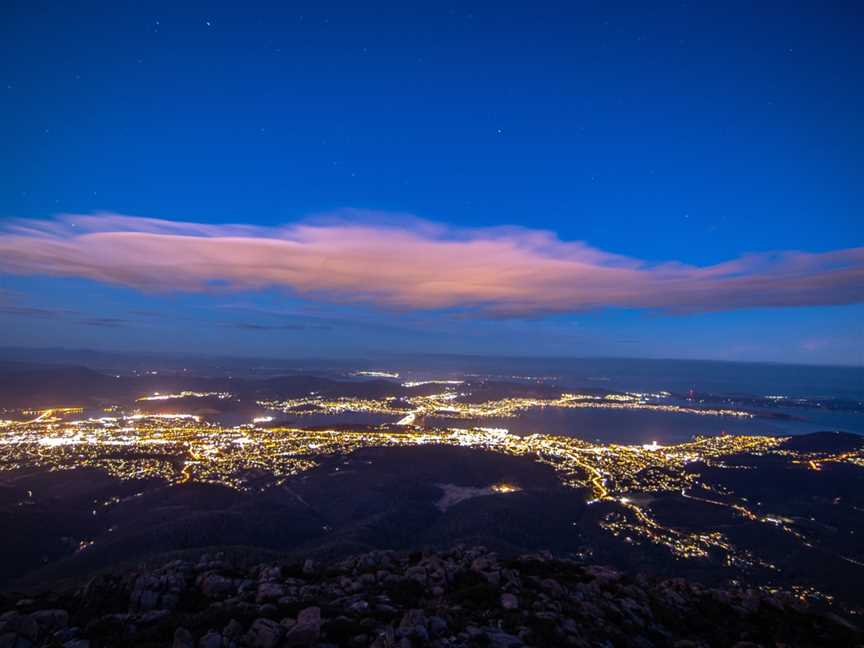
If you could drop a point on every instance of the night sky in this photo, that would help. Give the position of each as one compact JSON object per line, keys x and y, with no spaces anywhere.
{"x":645,"y":180}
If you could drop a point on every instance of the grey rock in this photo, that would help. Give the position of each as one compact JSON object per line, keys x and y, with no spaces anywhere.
{"x":603,"y":574}
{"x":474,"y":632}
{"x":309,"y":615}
{"x":437,"y":626}
{"x":215,"y":585}
{"x":236,"y":607}
{"x":66,"y":634}
{"x":413,"y":625}
{"x":416,"y":573}
{"x":144,"y":599}
{"x":12,"y":640}
{"x":359,"y":607}
{"x":210,"y":640}
{"x":22,"y":625}
{"x":499,"y":639}
{"x":51,"y":620}
{"x":233,"y":630}
{"x":386,"y":639}
{"x":509,"y":601}
{"x":569,"y":626}
{"x":264,"y":633}
{"x":307,"y":630}
{"x":270,"y":574}
{"x":168,"y":601}
{"x":552,"y":587}
{"x":269,"y":592}
{"x":412,"y":618}
{"x":183,"y":639}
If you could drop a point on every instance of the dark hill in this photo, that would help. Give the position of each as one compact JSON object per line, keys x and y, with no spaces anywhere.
{"x":33,"y":386}
{"x":825,"y":442}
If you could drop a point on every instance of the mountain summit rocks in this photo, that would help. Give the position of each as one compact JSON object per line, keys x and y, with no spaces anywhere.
{"x":463,"y":597}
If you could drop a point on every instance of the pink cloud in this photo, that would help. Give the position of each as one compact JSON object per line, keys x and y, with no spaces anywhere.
{"x":416,"y":265}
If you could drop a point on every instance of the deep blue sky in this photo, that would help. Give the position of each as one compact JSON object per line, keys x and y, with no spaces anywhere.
{"x":667,"y":132}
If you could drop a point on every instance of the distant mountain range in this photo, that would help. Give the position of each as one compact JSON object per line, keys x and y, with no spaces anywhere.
{"x":33,"y":385}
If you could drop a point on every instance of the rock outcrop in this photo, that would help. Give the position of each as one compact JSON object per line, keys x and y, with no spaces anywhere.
{"x":444,"y":599}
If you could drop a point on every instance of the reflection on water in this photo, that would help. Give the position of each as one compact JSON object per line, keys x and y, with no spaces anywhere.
{"x":629,"y":427}
{"x":344,"y":418}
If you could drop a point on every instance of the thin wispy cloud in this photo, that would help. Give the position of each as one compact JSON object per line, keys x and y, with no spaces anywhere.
{"x":412,"y":264}
{"x":68,"y":316}
{"x":253,"y":326}
{"x":33,"y":312}
{"x":107,"y":322}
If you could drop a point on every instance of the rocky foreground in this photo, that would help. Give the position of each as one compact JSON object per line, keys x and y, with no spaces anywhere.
{"x":461,"y":597}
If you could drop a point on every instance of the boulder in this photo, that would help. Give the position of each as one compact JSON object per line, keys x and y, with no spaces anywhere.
{"x":269,"y":592}
{"x":50,"y":620}
{"x":359,"y":607}
{"x":215,"y":585}
{"x":270,"y":573}
{"x":12,"y":640}
{"x":183,"y":639}
{"x":210,"y":640}
{"x":264,"y":633}
{"x":233,"y":630}
{"x":437,"y":626}
{"x":307,"y":629}
{"x":509,"y":601}
{"x":499,"y":639}
{"x":21,"y":625}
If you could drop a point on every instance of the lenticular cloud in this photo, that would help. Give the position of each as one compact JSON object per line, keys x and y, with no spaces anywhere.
{"x":416,"y":265}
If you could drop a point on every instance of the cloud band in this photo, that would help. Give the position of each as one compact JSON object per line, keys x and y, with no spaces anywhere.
{"x":500,"y":271}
